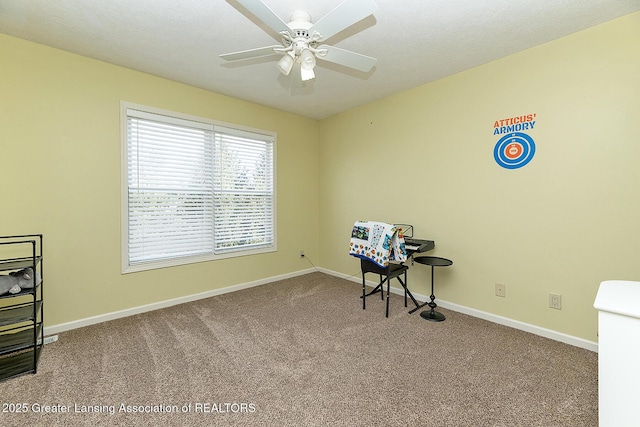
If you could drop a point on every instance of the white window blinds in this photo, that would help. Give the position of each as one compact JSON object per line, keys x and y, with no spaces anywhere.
{"x":196,"y":189}
{"x":242,"y":190}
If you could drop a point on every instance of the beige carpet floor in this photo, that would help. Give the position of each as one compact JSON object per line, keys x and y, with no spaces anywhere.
{"x":302,"y":352}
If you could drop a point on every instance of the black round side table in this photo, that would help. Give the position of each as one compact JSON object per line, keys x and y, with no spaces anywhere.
{"x":434,"y":261}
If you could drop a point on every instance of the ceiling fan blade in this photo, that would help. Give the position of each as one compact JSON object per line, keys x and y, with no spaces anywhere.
{"x":251,"y":53}
{"x":346,"y":57}
{"x":266,"y":15}
{"x":343,"y":16}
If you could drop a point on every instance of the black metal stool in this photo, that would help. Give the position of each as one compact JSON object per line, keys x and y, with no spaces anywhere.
{"x":386,"y":274}
{"x":434,"y":261}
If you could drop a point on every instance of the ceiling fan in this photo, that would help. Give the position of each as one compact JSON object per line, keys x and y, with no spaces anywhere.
{"x":301,"y":39}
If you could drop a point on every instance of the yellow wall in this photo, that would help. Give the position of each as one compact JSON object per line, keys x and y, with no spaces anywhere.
{"x":562,"y":224}
{"x":60,"y":176}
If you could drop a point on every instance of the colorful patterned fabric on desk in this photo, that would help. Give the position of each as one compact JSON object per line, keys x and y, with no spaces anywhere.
{"x":378,"y":242}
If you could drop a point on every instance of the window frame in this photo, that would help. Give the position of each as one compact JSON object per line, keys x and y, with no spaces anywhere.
{"x":127,"y":267}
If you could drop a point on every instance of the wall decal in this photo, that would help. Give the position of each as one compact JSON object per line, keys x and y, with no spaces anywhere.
{"x":515,"y":149}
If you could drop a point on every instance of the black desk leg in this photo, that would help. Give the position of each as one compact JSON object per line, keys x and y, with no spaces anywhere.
{"x":388,"y":288}
{"x":405,"y":288}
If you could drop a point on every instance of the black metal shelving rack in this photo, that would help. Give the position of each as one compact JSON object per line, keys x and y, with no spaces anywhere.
{"x":21,"y":314}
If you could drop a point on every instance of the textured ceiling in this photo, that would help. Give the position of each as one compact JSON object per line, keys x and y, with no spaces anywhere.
{"x":415,"y":41}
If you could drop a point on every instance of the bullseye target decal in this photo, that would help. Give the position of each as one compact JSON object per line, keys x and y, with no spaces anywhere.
{"x":514,"y":150}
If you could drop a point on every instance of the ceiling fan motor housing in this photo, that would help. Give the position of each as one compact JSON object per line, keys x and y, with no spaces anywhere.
{"x":299,"y":36}
{"x":300,"y":20}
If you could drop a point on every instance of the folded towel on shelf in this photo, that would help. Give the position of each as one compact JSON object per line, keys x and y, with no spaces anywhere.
{"x":377,"y":242}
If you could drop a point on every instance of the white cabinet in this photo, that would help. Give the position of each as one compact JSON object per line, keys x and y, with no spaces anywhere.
{"x":618,"y":303}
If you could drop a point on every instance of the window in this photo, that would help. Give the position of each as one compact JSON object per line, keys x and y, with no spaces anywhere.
{"x":193,"y":189}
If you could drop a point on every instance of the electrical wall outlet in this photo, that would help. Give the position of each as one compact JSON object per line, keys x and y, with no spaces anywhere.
{"x":555,"y":301}
{"x":501,"y":290}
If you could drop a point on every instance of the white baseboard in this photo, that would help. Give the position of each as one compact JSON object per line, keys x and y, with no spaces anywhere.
{"x":537,"y":330}
{"x":56,"y":329}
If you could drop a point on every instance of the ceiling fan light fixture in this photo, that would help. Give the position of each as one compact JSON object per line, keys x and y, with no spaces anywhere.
{"x":285,"y":64}
{"x":307,"y":60}
{"x":306,"y":75}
